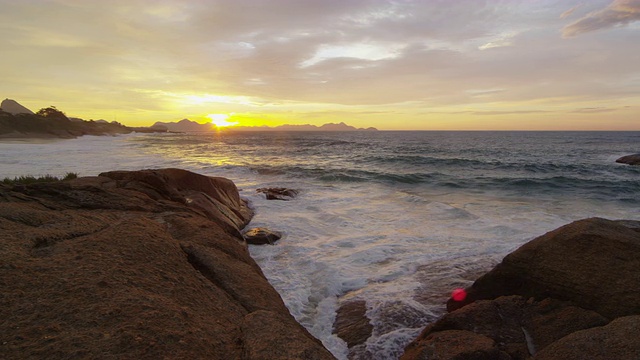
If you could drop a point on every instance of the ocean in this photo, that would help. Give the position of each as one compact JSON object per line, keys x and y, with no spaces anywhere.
{"x":397,"y":219}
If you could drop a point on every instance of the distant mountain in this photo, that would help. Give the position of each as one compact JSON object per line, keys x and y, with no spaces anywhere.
{"x":13,"y":107}
{"x":187,"y":125}
{"x":184,"y":125}
{"x":326,"y":127}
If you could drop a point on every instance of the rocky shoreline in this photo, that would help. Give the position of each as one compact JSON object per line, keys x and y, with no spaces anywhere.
{"x":154,"y":264}
{"x":573,"y":293}
{"x":145,"y":264}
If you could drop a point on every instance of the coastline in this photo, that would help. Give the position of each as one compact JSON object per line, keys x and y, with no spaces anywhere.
{"x":564,"y":294}
{"x":130,"y":257}
{"x":139,"y":264}
{"x":341,"y":213}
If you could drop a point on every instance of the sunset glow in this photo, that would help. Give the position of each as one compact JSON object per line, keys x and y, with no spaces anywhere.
{"x":221,"y":120}
{"x":409,"y":65}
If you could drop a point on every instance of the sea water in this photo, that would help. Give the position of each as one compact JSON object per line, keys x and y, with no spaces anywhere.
{"x":396,"y":219}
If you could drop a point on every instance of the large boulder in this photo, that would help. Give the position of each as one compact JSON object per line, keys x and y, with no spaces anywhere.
{"x":516,"y":326}
{"x":147,"y":264}
{"x":617,"y":340}
{"x":551,"y":298}
{"x":593,"y":263}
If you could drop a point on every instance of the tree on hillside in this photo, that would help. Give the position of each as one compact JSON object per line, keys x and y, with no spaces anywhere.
{"x":52,"y":112}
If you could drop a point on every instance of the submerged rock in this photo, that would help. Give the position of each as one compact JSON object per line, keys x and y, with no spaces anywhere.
{"x":278,"y":193}
{"x":352,"y":324}
{"x":630,"y":159}
{"x":261,"y":236}
{"x":143,"y":264}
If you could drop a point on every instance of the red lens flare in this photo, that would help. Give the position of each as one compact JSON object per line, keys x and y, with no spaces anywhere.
{"x":459,"y":294}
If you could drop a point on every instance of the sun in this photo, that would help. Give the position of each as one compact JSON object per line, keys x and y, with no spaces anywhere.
{"x":221,"y":120}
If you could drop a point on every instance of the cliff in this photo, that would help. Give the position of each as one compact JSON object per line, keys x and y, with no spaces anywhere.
{"x":145,"y":264}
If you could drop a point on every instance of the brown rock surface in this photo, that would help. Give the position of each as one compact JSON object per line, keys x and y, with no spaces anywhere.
{"x":593,"y":263}
{"x":518,"y":327}
{"x":261,"y":236}
{"x":617,"y":340}
{"x":553,"y":297}
{"x":629,"y":159}
{"x":352,"y":324}
{"x":146,"y":264}
{"x":456,"y":345}
{"x":278,"y":193}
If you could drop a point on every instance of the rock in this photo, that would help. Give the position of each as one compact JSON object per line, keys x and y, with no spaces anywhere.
{"x":593,"y":263}
{"x":456,"y":345}
{"x":519,"y":327}
{"x":261,"y":236}
{"x":271,"y":335}
{"x":630,"y":159}
{"x":278,"y":193}
{"x":352,"y":324}
{"x":212,"y":196}
{"x":550,"y":320}
{"x":552,"y":298}
{"x":617,"y":340}
{"x":143,"y":264}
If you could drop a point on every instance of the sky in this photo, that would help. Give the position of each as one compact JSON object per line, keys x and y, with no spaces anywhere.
{"x":393,"y":65}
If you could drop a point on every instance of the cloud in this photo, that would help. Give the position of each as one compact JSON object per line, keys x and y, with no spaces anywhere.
{"x":594,"y":110}
{"x":618,"y":13}
{"x":300,"y":54}
{"x":568,"y":13}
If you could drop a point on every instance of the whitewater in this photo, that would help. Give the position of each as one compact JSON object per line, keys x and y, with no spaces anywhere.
{"x":396,"y":219}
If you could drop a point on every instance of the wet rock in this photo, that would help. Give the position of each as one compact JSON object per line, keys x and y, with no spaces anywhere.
{"x":278,"y":193}
{"x":144,"y":264}
{"x":553,"y":297}
{"x":455,"y":345}
{"x":591,"y":262}
{"x":261,"y":236}
{"x":617,"y":340}
{"x":518,"y":327}
{"x":352,"y":324}
{"x":630,"y":159}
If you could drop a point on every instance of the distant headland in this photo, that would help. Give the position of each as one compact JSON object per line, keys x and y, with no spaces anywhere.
{"x":19,"y":122}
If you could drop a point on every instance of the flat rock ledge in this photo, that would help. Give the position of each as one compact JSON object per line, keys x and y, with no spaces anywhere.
{"x":145,"y":264}
{"x":573,"y":293}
